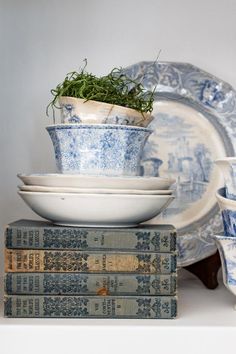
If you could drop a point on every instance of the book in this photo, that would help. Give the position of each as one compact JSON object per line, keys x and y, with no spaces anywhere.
{"x":156,"y":307}
{"x":30,"y":234}
{"x":80,"y":261}
{"x":89,"y":284}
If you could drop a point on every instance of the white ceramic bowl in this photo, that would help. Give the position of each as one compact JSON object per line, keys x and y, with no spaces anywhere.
{"x":77,"y":110}
{"x":93,"y":190}
{"x":78,"y":181}
{"x":96,"y":210}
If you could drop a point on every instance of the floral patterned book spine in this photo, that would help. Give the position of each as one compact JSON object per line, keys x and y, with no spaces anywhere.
{"x":30,"y":234}
{"x":79,"y":261}
{"x":89,"y":284}
{"x":155,"y":307}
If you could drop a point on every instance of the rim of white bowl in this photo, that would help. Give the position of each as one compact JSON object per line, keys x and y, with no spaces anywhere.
{"x":226,"y":202}
{"x":223,"y":237}
{"x":98,"y":195}
{"x":225,"y":159}
{"x":64,"y":175}
{"x":104,"y":190}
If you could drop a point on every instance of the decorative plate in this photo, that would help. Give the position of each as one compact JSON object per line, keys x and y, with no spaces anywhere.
{"x":194,"y":124}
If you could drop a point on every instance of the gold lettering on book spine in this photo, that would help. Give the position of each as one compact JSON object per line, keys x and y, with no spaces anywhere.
{"x":23,"y":261}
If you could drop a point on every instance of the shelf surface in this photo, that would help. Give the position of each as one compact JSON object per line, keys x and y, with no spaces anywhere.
{"x":206,"y":320}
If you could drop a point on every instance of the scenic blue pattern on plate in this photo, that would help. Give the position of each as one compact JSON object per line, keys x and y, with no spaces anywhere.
{"x":194,"y":124}
{"x":190,"y":164}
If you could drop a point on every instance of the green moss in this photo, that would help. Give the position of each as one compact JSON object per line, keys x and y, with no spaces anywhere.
{"x":115,"y":88}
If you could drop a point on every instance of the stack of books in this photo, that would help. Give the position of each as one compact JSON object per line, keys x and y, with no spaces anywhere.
{"x":75,"y":272}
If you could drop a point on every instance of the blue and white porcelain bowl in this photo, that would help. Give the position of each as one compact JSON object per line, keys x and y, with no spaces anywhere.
{"x":77,"y":110}
{"x":98,"y":149}
{"x":228,"y":211}
{"x":227,"y":251}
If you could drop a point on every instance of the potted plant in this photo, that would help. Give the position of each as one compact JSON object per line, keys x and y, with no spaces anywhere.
{"x":112,"y":99}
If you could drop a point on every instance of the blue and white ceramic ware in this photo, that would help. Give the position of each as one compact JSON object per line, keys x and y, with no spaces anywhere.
{"x":228,"y":169}
{"x":228,"y":211}
{"x":111,"y":150}
{"x":227,"y":250}
{"x":194,"y":125}
{"x":77,"y":110}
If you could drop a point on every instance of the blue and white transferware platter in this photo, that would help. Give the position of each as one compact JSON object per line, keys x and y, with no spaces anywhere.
{"x":194,"y":124}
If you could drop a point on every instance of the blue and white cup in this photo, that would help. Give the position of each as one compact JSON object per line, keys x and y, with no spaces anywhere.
{"x":228,"y":169}
{"x":228,"y":211}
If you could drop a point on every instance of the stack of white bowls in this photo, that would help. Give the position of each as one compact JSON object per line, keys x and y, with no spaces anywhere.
{"x":98,"y":153}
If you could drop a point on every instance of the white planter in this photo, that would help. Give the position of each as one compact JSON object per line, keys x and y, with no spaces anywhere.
{"x":76,"y":110}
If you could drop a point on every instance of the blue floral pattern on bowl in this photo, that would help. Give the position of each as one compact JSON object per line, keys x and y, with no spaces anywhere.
{"x":70,"y":117}
{"x":98,"y":149}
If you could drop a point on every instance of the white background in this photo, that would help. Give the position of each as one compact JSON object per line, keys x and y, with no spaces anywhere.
{"x":42,"y":40}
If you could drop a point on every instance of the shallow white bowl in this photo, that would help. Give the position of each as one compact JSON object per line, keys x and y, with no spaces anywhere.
{"x":27,"y":188}
{"x":78,"y":181}
{"x":96,"y":210}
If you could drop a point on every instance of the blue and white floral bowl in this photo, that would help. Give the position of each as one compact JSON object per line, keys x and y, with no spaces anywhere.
{"x":228,"y":211}
{"x":227,"y":250}
{"x":110,"y":150}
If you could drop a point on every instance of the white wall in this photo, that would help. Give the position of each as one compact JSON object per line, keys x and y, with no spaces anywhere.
{"x":42,"y":40}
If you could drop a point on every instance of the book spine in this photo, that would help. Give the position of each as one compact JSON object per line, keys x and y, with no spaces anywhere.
{"x":79,"y":261}
{"x":89,"y":284}
{"x":158,"y":240}
{"x":156,"y":307}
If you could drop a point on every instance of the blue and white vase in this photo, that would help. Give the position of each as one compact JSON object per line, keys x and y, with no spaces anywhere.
{"x":112,"y":150}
